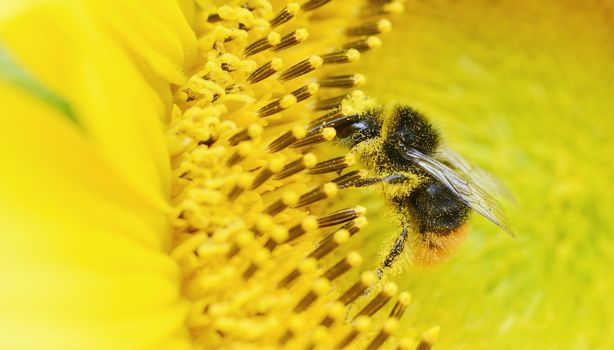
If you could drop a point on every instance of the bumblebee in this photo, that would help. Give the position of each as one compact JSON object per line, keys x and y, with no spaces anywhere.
{"x":430,"y":187}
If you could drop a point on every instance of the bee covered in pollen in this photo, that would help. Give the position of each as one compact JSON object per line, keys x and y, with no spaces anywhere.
{"x":431,"y":188}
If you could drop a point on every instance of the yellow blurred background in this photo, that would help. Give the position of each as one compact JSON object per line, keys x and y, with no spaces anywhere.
{"x":523,"y":89}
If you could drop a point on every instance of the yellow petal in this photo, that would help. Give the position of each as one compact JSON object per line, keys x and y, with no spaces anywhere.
{"x":59,"y":45}
{"x":76,"y":242}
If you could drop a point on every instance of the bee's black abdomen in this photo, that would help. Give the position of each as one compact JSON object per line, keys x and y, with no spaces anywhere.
{"x":436,"y":209}
{"x":408,"y":129}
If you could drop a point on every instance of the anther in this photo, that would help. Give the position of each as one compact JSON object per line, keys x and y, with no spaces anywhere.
{"x":278,"y":235}
{"x":287,"y":199}
{"x":320,"y":287}
{"x":259,"y":257}
{"x":353,"y":259}
{"x":309,"y":223}
{"x":276,"y":106}
{"x":330,"y":243}
{"x":333,"y":165}
{"x":307,"y":161}
{"x":329,"y":103}
{"x":265,"y":71}
{"x":370,"y":28}
{"x":336,"y":119}
{"x":335,"y":312}
{"x":307,"y":266}
{"x":286,"y":139}
{"x":243,"y":150}
{"x":366,"y":280}
{"x":294,"y":38}
{"x":399,"y":307}
{"x":325,"y":191}
{"x":323,"y":135}
{"x":341,"y":216}
{"x":274,"y":167}
{"x":366,"y":44}
{"x":247,"y":134}
{"x":347,"y":180}
{"x":361,"y":325}
{"x":428,"y":339}
{"x":306,"y":91}
{"x":345,"y":56}
{"x":286,"y":14}
{"x":388,"y":291}
{"x":214,"y":18}
{"x":314,"y":4}
{"x":390,"y":326}
{"x":242,"y":241}
{"x":383,"y":8}
{"x":303,"y":67}
{"x":262,"y":44}
{"x":344,"y":81}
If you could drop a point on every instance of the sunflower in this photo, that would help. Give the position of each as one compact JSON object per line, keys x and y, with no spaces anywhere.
{"x":160,"y":188}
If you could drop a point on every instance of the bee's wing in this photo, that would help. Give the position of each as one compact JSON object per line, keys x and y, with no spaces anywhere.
{"x":480,"y":177}
{"x":475,"y":197}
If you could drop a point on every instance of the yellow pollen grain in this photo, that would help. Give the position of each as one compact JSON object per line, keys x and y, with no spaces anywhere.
{"x":315,"y":61}
{"x":360,"y":210}
{"x":313,"y":88}
{"x":245,"y":180}
{"x":337,"y":310}
{"x":374,"y":42}
{"x":405,"y":298}
{"x":265,"y":223}
{"x":299,"y":131}
{"x":354,"y":259}
{"x":384,"y":25}
{"x":341,"y":236}
{"x":227,"y":12}
{"x":391,"y":325}
{"x":308,"y":266}
{"x":276,"y":64}
{"x":329,"y":133}
{"x":287,"y":101}
{"x":363,"y":323}
{"x":330,"y":189}
{"x":276,"y":165}
{"x":408,"y":344}
{"x":245,"y":148}
{"x":361,"y":222}
{"x":310,"y":160}
{"x":293,"y":8}
{"x":289,"y":198}
{"x":390,"y":289}
{"x":279,"y":234}
{"x":359,"y":80}
{"x":394,"y":8}
{"x":310,"y":223}
{"x":273,"y":38}
{"x":254,"y":130}
{"x":321,"y":286}
{"x":431,"y":335}
{"x":368,"y":278}
{"x":301,"y":34}
{"x":353,"y":55}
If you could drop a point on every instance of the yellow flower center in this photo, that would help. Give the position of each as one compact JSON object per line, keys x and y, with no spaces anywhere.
{"x":259,"y":239}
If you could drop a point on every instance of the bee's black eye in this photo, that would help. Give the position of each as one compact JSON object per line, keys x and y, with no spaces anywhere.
{"x":436,"y":209}
{"x":364,"y":127}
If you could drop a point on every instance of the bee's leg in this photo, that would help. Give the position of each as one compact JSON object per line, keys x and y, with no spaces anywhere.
{"x":395,"y":251}
{"x":393,"y":178}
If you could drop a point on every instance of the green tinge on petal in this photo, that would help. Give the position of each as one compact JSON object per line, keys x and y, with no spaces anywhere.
{"x":12,"y":72}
